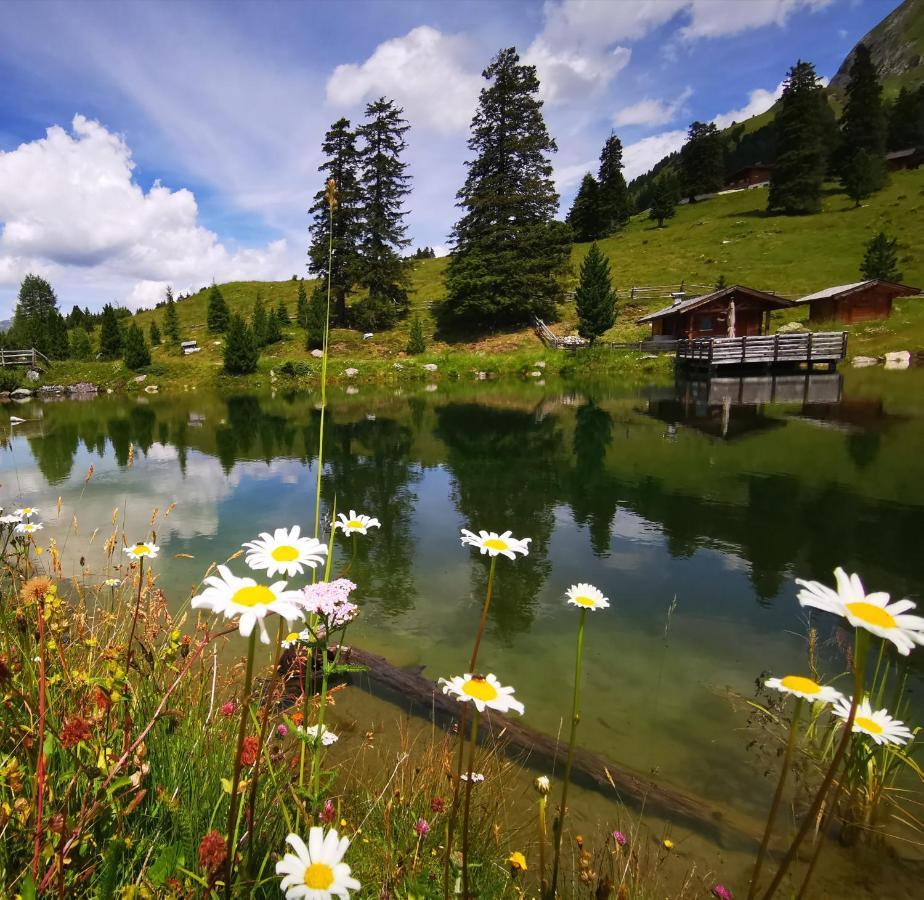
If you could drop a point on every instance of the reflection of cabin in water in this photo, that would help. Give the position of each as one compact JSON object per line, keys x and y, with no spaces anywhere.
{"x":733,"y":311}
{"x":862,"y":301}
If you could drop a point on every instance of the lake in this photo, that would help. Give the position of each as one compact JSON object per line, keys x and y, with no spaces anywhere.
{"x":692,"y":506}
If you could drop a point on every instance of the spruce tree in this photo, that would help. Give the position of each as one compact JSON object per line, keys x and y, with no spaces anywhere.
{"x":315,"y":318}
{"x":80,"y":347}
{"x":663,"y":199}
{"x":110,"y":334}
{"x":240,"y":349}
{"x":595,"y":299}
{"x":35,"y":305}
{"x":864,"y":128}
{"x":258,"y":323}
{"x":415,"y":342}
{"x":614,"y":202}
{"x":273,"y":333}
{"x":880,"y":259}
{"x":383,"y":187}
{"x":702,"y":160}
{"x":171,"y":320}
{"x":58,"y":344}
{"x":508,"y":251}
{"x":75,"y":317}
{"x":795,"y":183}
{"x":906,"y":119}
{"x":342,"y":164}
{"x":218,"y":315}
{"x":154,"y":333}
{"x":301,"y":307}
{"x":282,"y":314}
{"x":135,"y":353}
{"x":584,"y":216}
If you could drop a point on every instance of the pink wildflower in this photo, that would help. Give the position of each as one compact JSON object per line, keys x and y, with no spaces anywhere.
{"x":282,"y":730}
{"x":329,"y":813}
{"x":422,"y":827}
{"x":721,"y":892}
{"x":227,"y":709}
{"x":331,"y":601}
{"x":620,"y":838}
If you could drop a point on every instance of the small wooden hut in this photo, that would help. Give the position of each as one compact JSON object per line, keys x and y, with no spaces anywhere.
{"x":734,"y":311}
{"x":748,"y":176}
{"x":863,"y":301}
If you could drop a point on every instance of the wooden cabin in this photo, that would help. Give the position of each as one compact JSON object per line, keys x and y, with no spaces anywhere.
{"x":863,"y":301}
{"x":748,"y":176}
{"x":910,"y":158}
{"x":734,"y":311}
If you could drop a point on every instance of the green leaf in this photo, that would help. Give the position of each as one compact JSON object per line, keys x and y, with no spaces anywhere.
{"x":164,"y":865}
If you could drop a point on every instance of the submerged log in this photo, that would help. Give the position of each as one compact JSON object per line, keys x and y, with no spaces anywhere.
{"x":410,"y":688}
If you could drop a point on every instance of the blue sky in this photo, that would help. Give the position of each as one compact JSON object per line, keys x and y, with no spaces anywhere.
{"x":152,"y":143}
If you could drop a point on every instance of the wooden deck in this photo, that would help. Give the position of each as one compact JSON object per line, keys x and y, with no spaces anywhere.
{"x":31,"y":358}
{"x":797,"y":350}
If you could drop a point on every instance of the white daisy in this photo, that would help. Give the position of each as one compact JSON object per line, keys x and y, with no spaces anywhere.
{"x":112,"y":582}
{"x":29,"y":527}
{"x":356,"y":523}
{"x":484,"y":690}
{"x":284,"y":552}
{"x":870,"y":611}
{"x":316,"y":872}
{"x":27,"y":512}
{"x":878,"y":725}
{"x":294,"y":638}
{"x":586,"y":596}
{"x":141,"y":549}
{"x":233,"y":596}
{"x":477,"y":777}
{"x":799,"y":686}
{"x":327,"y":736}
{"x":11,"y":519}
{"x":495,"y":544}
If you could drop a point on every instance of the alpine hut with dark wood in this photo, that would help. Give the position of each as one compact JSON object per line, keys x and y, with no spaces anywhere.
{"x":733,"y":311}
{"x":863,"y":301}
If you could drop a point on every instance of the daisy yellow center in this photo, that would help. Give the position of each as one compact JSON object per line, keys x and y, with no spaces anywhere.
{"x":255,"y":595}
{"x":871,"y":614}
{"x":354,"y":523}
{"x":800,"y":684}
{"x":284,"y":553}
{"x":495,"y":544}
{"x":319,"y":877}
{"x":480,"y":690}
{"x":868,"y":725}
{"x":581,"y":600}
{"x":141,"y":550}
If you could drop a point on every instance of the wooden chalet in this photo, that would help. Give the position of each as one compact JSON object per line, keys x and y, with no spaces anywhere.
{"x":733,"y":311}
{"x":910,"y":158}
{"x":863,"y":301}
{"x":748,"y":177}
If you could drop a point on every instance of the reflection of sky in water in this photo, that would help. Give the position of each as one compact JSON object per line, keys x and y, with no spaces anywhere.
{"x":722,"y":525}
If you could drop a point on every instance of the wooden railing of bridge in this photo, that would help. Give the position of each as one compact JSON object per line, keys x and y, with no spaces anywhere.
{"x":32,"y":358}
{"x":768,"y":350}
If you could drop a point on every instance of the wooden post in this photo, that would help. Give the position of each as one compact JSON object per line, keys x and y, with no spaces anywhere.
{"x":809,"y":353}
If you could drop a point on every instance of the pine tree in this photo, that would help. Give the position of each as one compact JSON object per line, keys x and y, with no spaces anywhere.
{"x":584,"y":216}
{"x":702,"y":160}
{"x":342,"y":164}
{"x":508,"y":251}
{"x":171,"y":320}
{"x":282,"y":314}
{"x":315,"y":318}
{"x":664,"y":199}
{"x":110,"y":334}
{"x":415,"y":342}
{"x":135,"y":354}
{"x":217,"y":316}
{"x":383,"y":187}
{"x":80,"y":347}
{"x":273,"y":333}
{"x":301,"y":308}
{"x":154,"y":333}
{"x":795,"y":184}
{"x":36,"y":303}
{"x":721,"y":284}
{"x":240,"y":350}
{"x":863,"y":128}
{"x":595,"y":299}
{"x":880,"y":259}
{"x":58,"y":344}
{"x":615,"y":204}
{"x":258,"y":323}
{"x":906,"y":119}
{"x":75,"y":317}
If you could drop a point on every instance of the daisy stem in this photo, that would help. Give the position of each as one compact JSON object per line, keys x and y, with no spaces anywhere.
{"x":236,"y":776}
{"x":468,"y":802}
{"x":484,"y":616}
{"x":318,"y":745}
{"x":543,"y":837}
{"x":40,"y":766}
{"x":128,"y":650}
{"x":859,"y":670}
{"x":575,"y":719}
{"x":264,"y":724}
{"x":777,"y":796}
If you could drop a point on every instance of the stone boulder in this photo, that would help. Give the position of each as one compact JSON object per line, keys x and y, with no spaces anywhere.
{"x":33,"y":375}
{"x":317,"y":354}
{"x":138,"y":379}
{"x":899,"y":359}
{"x":863,"y":362}
{"x":82,"y":387}
{"x":151,"y":389}
{"x":21,"y":392}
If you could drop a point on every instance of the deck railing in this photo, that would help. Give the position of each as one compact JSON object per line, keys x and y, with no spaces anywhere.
{"x":799,"y":347}
{"x":32,"y":358}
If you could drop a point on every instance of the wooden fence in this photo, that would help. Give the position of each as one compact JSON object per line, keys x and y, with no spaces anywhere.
{"x":31,"y":358}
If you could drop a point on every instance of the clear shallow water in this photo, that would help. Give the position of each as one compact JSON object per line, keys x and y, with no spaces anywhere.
{"x":661,"y":496}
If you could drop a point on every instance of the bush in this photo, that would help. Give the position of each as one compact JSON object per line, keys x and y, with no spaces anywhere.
{"x":10,"y":379}
{"x":80,"y":344}
{"x":295,"y":368}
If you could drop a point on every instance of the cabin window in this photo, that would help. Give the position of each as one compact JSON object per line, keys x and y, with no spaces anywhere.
{"x":705,"y":323}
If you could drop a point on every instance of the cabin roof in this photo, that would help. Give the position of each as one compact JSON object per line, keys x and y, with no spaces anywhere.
{"x":902,"y":154}
{"x":843,"y":290}
{"x":695,"y":302}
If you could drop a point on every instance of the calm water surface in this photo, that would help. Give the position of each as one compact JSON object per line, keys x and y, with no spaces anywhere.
{"x":692,"y":507}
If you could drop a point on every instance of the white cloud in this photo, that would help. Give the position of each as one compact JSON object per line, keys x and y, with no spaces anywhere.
{"x":567,"y":176}
{"x":70,"y":207}
{"x":640,"y":156}
{"x":652,"y":112}
{"x":759,"y":101}
{"x":722,"y":18}
{"x":429,"y":73}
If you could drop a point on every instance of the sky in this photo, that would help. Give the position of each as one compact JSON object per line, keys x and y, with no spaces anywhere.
{"x":146,"y":144}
